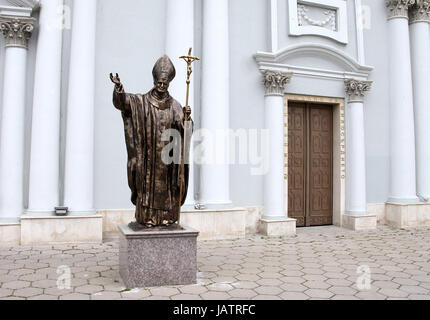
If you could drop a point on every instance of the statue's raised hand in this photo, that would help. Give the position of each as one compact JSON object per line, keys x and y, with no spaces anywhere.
{"x":116,"y":80}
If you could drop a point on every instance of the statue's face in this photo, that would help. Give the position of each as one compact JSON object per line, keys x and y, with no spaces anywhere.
{"x":162,"y":84}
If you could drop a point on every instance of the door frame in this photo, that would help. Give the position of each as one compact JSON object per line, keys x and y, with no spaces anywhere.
{"x":339,"y":152}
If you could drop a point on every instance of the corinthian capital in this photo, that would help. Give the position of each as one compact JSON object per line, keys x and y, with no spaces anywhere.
{"x":16,"y":30}
{"x":356,"y":89}
{"x":420,"y":11}
{"x":398,"y":8}
{"x":275,"y":82}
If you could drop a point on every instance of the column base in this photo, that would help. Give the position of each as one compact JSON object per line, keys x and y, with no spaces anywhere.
{"x":407,"y":215}
{"x":10,"y":233}
{"x":413,"y":200}
{"x":82,"y":213}
{"x":38,"y":213}
{"x":210,"y":205}
{"x":278,"y":228}
{"x":360,"y":222}
{"x":58,"y":230}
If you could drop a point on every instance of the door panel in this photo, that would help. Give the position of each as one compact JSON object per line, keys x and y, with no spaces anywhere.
{"x":321,"y":168}
{"x":296,"y":163}
{"x":310,"y":164}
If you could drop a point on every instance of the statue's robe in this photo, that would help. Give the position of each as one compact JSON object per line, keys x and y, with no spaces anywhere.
{"x":155,"y":186}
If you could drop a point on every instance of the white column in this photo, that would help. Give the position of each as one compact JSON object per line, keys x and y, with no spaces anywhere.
{"x":402,"y":135}
{"x":215,"y":176}
{"x":179,"y":38}
{"x":45,"y":137}
{"x":420,"y":49}
{"x":17,"y":31}
{"x":274,"y":180}
{"x":79,"y":181}
{"x":355,"y":148}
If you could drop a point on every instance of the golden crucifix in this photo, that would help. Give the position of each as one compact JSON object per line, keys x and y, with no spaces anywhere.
{"x":189,"y":59}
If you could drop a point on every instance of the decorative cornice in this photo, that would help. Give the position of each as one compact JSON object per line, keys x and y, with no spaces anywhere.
{"x":275,"y":82}
{"x":25,"y":3}
{"x":398,"y":8}
{"x":356,"y":89}
{"x":278,"y":61}
{"x":420,"y":11}
{"x":16,"y":30}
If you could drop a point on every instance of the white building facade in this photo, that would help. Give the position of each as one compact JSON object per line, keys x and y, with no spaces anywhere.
{"x":308,"y":113}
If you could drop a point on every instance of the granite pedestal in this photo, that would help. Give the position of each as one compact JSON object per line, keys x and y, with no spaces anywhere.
{"x":158,"y":257}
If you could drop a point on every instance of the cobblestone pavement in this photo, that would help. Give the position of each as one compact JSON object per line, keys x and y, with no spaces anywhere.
{"x":319,"y":263}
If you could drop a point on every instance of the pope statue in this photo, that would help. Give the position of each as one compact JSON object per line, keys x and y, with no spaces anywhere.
{"x":155,"y":184}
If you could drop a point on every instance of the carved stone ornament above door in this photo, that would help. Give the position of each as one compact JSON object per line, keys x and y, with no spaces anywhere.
{"x":325,"y":18}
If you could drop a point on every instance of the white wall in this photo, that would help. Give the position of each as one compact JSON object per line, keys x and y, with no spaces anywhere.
{"x":248,"y":34}
{"x":377,"y":106}
{"x":130,"y":38}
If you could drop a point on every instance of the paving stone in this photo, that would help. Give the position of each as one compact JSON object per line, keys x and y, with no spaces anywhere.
{"x":294,"y":296}
{"x":89,"y":289}
{"x":245,"y":285}
{"x":419,"y":297}
{"x":185,"y":296}
{"x":54,"y":291}
{"x":16,"y":285}
{"x":385,"y":284}
{"x":5,"y":292}
{"x":293,"y":287}
{"x":43,"y":297}
{"x":248,"y":277}
{"x":164,"y":291}
{"x":135,"y":294}
{"x":266,"y":297}
{"x":318,"y":293}
{"x":33,"y":277}
{"x":242,"y":293}
{"x":75,"y":296}
{"x":97,"y":269}
{"x":211,"y":295}
{"x":414,"y":290}
{"x":102,"y":281}
{"x":347,"y":291}
{"x":223,"y":287}
{"x":44,"y":284}
{"x":270,"y":275}
{"x":269,"y":282}
{"x":393,"y":293}
{"x":27,"y":292}
{"x":343,"y":297}
{"x":21,"y":272}
{"x":339,"y":282}
{"x":193,"y":289}
{"x":106,"y":295}
{"x":267,"y":290}
{"x":316,"y":284}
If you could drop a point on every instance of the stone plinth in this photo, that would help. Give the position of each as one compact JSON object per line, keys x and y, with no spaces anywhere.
{"x":157,"y":257}
{"x":401,"y":215}
{"x":360,"y":223}
{"x":278,"y":228}
{"x":58,"y":230}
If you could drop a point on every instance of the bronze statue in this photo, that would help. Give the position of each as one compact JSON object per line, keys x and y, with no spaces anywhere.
{"x":158,"y":189}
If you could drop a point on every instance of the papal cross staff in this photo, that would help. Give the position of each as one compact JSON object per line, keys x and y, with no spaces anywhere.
{"x":189,"y":59}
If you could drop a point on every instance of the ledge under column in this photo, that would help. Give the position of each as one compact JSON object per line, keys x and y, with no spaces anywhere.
{"x":59,"y":230}
{"x":407,"y":215}
{"x":278,"y":228}
{"x":360,"y":222}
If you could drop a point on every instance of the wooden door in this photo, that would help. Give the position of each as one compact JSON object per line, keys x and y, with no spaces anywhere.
{"x":310,"y":164}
